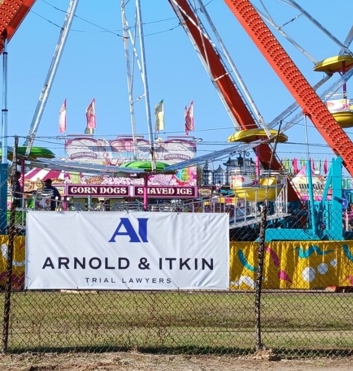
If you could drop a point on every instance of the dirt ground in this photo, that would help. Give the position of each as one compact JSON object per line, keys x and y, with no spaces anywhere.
{"x":139,"y":361}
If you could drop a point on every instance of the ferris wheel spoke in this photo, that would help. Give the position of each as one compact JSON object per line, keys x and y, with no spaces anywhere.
{"x":348,"y":40}
{"x":280,"y":30}
{"x":318,"y":24}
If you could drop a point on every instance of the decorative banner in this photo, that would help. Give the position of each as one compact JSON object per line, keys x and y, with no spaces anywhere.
{"x":159,"y":114}
{"x":97,"y":190}
{"x":189,"y":118}
{"x":34,"y":180}
{"x":117,"y":151}
{"x":62,"y":118}
{"x":135,"y":250}
{"x":301,"y":184}
{"x":91,"y":115}
{"x":167,"y":192}
{"x":125,"y":191}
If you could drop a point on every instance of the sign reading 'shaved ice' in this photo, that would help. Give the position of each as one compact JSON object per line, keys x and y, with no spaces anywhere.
{"x":132,"y":250}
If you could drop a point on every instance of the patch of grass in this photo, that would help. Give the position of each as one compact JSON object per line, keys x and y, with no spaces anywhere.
{"x":173,"y":320}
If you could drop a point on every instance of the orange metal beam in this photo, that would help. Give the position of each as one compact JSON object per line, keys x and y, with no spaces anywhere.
{"x":12,"y":13}
{"x":294,"y":80}
{"x":229,"y":92}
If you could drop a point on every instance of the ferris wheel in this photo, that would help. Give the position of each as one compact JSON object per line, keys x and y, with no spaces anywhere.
{"x":233,"y":91}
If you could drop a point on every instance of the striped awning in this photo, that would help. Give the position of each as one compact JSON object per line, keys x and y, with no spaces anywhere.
{"x":43,"y":174}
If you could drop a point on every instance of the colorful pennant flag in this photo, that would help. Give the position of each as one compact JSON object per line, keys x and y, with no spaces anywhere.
{"x":319,"y":166}
{"x":286,"y":164}
{"x":62,"y":118}
{"x":189,"y":118}
{"x":91,"y":115}
{"x":159,"y":114}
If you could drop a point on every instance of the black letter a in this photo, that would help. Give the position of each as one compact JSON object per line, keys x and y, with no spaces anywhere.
{"x":48,"y":263}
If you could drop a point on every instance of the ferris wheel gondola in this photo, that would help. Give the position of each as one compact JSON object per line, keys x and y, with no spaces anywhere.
{"x":340,"y":107}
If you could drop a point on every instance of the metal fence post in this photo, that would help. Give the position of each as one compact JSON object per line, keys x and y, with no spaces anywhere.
{"x":11,"y":234}
{"x":258,"y":282}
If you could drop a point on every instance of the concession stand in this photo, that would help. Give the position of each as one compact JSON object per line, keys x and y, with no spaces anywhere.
{"x":106,"y":192}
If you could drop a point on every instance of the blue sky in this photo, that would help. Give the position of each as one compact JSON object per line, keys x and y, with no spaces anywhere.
{"x":93,"y":66}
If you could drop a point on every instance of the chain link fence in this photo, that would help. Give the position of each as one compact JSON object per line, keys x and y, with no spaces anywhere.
{"x":290,"y":288}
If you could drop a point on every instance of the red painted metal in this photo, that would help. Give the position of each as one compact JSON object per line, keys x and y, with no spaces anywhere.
{"x":12,"y":13}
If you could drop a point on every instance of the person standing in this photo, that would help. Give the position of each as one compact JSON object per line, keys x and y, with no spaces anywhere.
{"x":17,"y":190}
{"x":54,"y":194}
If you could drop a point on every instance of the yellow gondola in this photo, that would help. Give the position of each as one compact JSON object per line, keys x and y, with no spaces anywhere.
{"x":265,"y":189}
{"x":251,"y":135}
{"x":340,"y":63}
{"x":344,"y":119}
{"x":257,"y":194}
{"x":334,"y":64}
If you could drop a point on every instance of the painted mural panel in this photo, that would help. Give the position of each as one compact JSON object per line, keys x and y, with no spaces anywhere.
{"x":18,"y":261}
{"x":293,"y":264}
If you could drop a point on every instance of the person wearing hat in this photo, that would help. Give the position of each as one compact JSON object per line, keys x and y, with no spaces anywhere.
{"x":55,"y":195}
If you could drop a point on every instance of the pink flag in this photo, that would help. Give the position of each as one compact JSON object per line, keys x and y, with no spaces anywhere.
{"x":295,"y":165}
{"x":189,"y":118}
{"x":62,"y":118}
{"x":325,"y":166}
{"x":91,"y":115}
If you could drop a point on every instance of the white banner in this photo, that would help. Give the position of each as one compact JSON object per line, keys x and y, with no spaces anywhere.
{"x":132,"y":250}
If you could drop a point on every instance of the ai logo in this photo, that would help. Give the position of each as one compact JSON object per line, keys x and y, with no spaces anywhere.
{"x":125,"y":228}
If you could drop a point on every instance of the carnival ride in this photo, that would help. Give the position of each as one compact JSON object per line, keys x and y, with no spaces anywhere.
{"x":243,"y":112}
{"x":305,"y":96}
{"x":267,"y":187}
